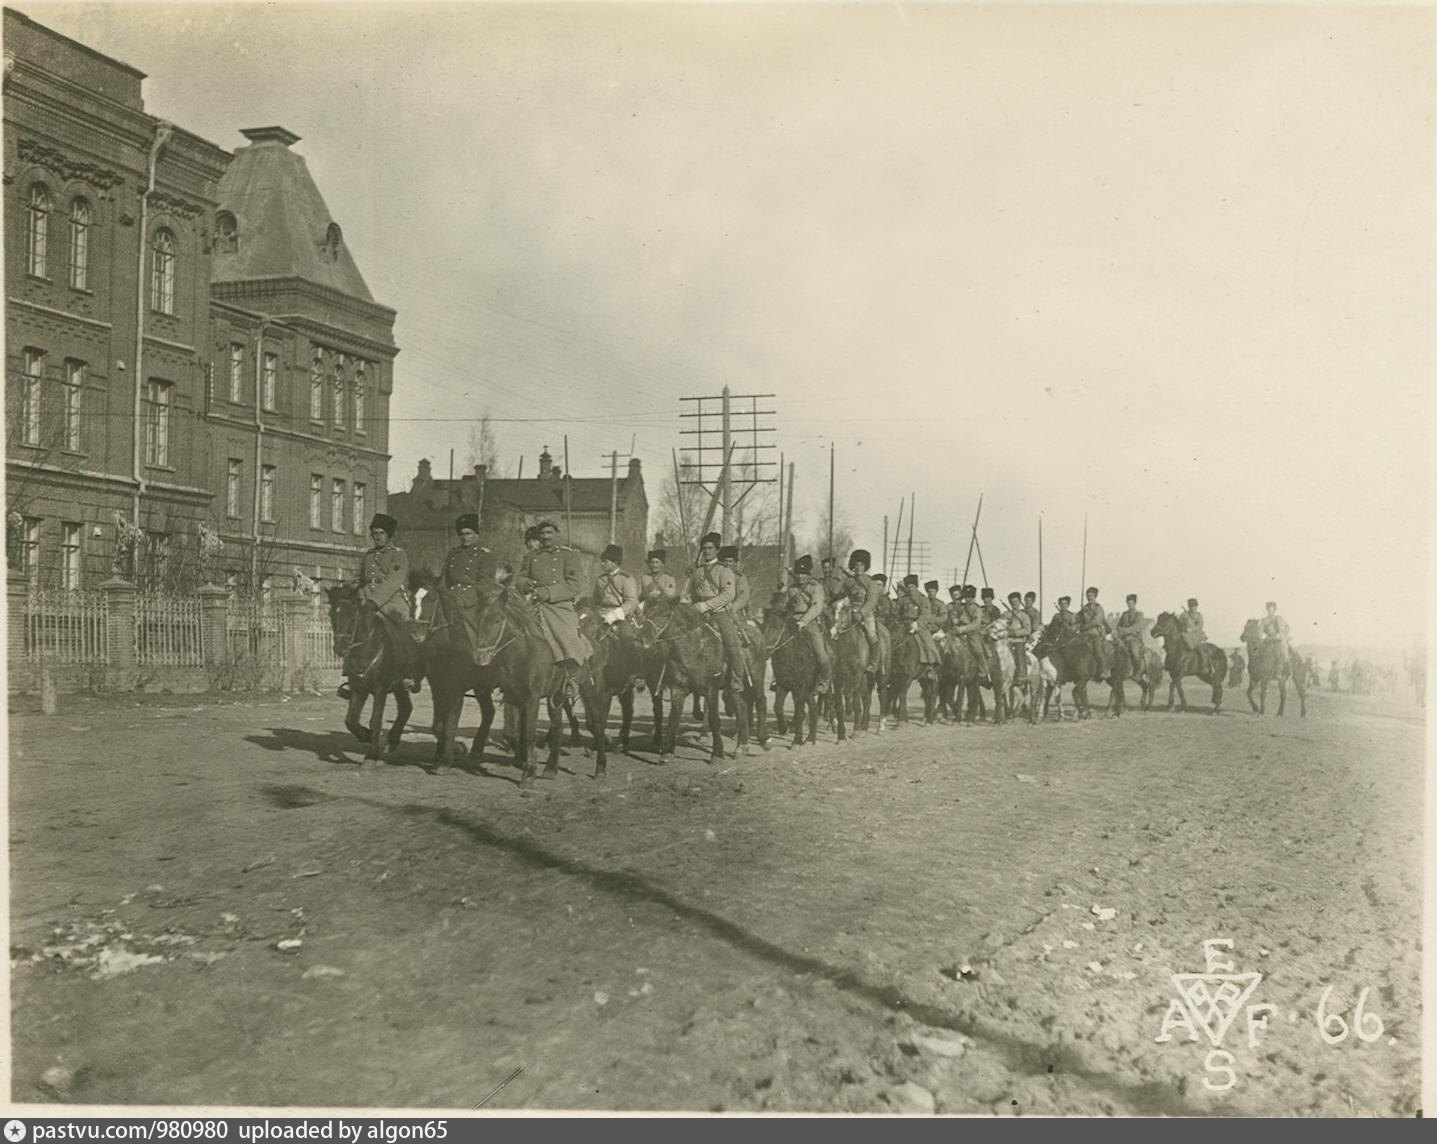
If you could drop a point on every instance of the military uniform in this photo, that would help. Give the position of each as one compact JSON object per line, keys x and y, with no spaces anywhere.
{"x":968,"y":624}
{"x":991,"y":611}
{"x":1274,"y":627}
{"x":658,"y":586}
{"x":1019,"y":628}
{"x":552,"y":575}
{"x":835,"y":587}
{"x":1065,"y":619}
{"x":1130,"y":635}
{"x":616,"y":591}
{"x":1035,"y":617}
{"x":913,"y":613}
{"x":883,"y":607}
{"x":1093,"y":623}
{"x":1191,"y":623}
{"x":471,"y":567}
{"x":383,"y":573}
{"x":807,"y":601}
{"x":712,"y":589}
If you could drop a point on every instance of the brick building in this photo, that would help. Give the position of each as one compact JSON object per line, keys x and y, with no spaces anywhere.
{"x":189,"y":341}
{"x":506,"y":507}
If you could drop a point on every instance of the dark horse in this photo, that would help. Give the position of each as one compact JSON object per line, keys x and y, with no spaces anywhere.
{"x":610,"y":672}
{"x":853,"y":681}
{"x":1074,"y":660}
{"x":509,"y":652}
{"x":905,"y":667}
{"x":1208,"y":662}
{"x":1264,"y":665}
{"x":367,"y":640}
{"x":962,"y":672}
{"x":683,"y":653}
{"x":1147,"y":675}
{"x":795,"y":672}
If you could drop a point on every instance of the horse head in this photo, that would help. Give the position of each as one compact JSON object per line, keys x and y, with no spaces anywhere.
{"x":424,"y":591}
{"x":658,"y":616}
{"x":996,"y":631}
{"x":1252,"y":632}
{"x":1164,"y":626}
{"x":344,"y":604}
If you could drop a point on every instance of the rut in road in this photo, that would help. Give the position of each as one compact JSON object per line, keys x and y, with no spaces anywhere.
{"x":1020,"y":1056}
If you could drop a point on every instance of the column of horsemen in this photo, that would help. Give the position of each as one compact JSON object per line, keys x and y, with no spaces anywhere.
{"x":1005,"y":647}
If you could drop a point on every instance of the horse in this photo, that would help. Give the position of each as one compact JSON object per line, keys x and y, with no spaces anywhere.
{"x":1074,"y":661}
{"x":366,"y":640}
{"x":795,"y":672}
{"x":610,"y":672}
{"x":685,"y":654}
{"x":853,"y":682}
{"x":1147,"y":675}
{"x":906,"y":666}
{"x":1234,"y":676}
{"x":1265,"y":664}
{"x":1208,"y":662}
{"x":961,"y":672}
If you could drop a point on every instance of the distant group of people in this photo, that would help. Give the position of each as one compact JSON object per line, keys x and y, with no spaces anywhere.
{"x":550,"y":575}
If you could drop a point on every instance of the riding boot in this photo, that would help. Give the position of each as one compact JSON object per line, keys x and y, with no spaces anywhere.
{"x":345,"y":690}
{"x":571,"y":681}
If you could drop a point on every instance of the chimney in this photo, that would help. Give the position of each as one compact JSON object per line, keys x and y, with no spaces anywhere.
{"x":546,"y":462}
{"x":635,"y":468}
{"x":422,"y":479}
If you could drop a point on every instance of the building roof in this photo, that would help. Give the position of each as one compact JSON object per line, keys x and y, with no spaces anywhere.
{"x":285,"y":229}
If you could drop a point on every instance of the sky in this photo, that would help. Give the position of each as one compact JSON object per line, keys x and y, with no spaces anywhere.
{"x":1164,"y":269}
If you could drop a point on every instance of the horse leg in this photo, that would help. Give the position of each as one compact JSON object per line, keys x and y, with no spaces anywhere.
{"x":556,"y":732}
{"x":1217,"y":695}
{"x":671,"y":734}
{"x":1252,"y":686}
{"x":711,"y":700}
{"x":376,"y":728}
{"x":447,"y":710}
{"x":1172,"y":690}
{"x":657,"y":700}
{"x":1281,"y":697}
{"x":596,"y":711}
{"x":626,"y":717}
{"x":355,"y":709}
{"x":401,"y":719}
{"x":486,"y":720}
{"x":812,"y":739}
{"x":529,"y":736}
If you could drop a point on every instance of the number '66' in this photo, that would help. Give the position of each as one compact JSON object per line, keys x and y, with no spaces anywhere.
{"x":1334,"y":1030}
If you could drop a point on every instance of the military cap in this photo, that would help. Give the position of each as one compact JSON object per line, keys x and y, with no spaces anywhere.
{"x":1015,"y":595}
{"x":860,"y":556}
{"x":803,"y":565}
{"x":1065,"y":599}
{"x":728,"y":552}
{"x":386,"y":522}
{"x":1270,"y":604}
{"x":931,"y":584}
{"x":827,"y":560}
{"x":1193,"y":603}
{"x":469,"y":520}
{"x":1132,"y":597}
{"x":969,"y":591}
{"x":955,"y":588}
{"x":988,"y":593}
{"x":531,"y":533}
{"x":911,"y":579}
{"x":1092,"y":591}
{"x":658,"y":554}
{"x":881,"y":577}
{"x":545,"y":524}
{"x":612,"y":552}
{"x":711,"y":538}
{"x":1030,"y":595}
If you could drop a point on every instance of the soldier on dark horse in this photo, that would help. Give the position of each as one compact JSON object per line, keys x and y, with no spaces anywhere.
{"x":1187,"y":652}
{"x":797,"y":646}
{"x":1071,"y":653}
{"x":1269,"y":658}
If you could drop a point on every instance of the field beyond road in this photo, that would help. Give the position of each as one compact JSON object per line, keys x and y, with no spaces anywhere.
{"x":211,"y":904}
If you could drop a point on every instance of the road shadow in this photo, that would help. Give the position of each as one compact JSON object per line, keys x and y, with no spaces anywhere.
{"x":338,"y":748}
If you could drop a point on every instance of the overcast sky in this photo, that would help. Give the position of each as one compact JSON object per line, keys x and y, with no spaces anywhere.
{"x":1170,"y":268}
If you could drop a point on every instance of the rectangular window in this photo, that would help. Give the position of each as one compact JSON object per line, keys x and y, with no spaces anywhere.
{"x":266,"y":493}
{"x":336,"y":506}
{"x":359,"y":512}
{"x":157,"y":423}
{"x":316,"y":389}
{"x":236,"y":372}
{"x":70,"y":555}
{"x":232,"y":584}
{"x":232,"y":487}
{"x":80,"y":245}
{"x":316,"y":498}
{"x":74,"y":396}
{"x":29,"y":554}
{"x":34,"y":368}
{"x":361,"y":399}
{"x":337,"y":412}
{"x":271,"y":380}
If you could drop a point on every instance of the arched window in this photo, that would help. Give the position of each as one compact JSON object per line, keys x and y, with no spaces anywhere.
{"x":162,"y":273}
{"x":226,"y":233}
{"x":332,"y":240}
{"x":361,"y":398}
{"x":37,"y":231}
{"x":316,"y":387}
{"x":80,"y":244}
{"x":337,"y":410}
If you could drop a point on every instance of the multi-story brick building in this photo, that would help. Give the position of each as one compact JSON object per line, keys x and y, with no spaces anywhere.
{"x":589,"y":509}
{"x":189,"y":341}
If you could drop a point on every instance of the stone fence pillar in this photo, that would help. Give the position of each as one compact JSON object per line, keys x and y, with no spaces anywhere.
{"x":120,"y":632}
{"x":214,"y":623}
{"x":17,"y":605}
{"x":295,"y":607}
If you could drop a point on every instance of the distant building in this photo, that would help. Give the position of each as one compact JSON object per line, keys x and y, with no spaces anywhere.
{"x":189,"y":340}
{"x":507,"y":506}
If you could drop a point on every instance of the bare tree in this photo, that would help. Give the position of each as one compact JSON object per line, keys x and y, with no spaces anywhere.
{"x":842,"y":535}
{"x":484,"y":444}
{"x":680,"y":505}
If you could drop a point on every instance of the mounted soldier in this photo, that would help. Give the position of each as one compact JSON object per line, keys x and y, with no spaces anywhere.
{"x":1019,"y":628}
{"x":1063,"y":617}
{"x":937,"y":609}
{"x":383,"y":588}
{"x":1191,"y":624}
{"x":884,"y":609}
{"x":950,"y":610}
{"x":1093,"y":625}
{"x":1130,"y":632}
{"x":550,"y":576}
{"x":657,"y":582}
{"x":1274,"y":628}
{"x":866,"y":592}
{"x":912,"y":613}
{"x":712,"y":590}
{"x":1030,"y":605}
{"x":991,"y":611}
{"x":807,"y":601}
{"x":968,"y":624}
{"x":616,"y":592}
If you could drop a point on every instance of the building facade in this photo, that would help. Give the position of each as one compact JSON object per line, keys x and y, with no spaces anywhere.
{"x":191,"y":351}
{"x":586,"y":509}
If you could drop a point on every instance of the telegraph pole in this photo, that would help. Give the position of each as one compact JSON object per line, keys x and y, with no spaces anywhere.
{"x":912,"y":512}
{"x":724,"y":426}
{"x":884,"y":565}
{"x":830,"y":499}
{"x":613,"y":458}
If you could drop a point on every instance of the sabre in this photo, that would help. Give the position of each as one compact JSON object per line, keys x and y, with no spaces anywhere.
{"x":973,"y":539}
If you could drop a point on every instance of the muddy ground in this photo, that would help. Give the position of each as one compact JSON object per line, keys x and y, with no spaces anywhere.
{"x":211,"y":904}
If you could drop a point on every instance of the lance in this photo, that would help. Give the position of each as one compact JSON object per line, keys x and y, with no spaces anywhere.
{"x":898,"y":532}
{"x":1040,"y":564}
{"x":1084,"y":585}
{"x":973,"y":540}
{"x":683,"y":510}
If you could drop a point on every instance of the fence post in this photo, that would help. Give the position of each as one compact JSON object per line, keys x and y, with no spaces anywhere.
{"x":120,"y":633}
{"x":17,"y":615}
{"x":214,"y":623}
{"x":294,"y":607}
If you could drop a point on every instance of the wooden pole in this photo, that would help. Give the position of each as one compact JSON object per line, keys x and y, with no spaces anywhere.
{"x":1083,"y":587}
{"x":787,"y":540}
{"x":884,"y":565}
{"x":683,"y":510}
{"x":714,"y":501}
{"x":1040,"y":565}
{"x":979,"y":547}
{"x":613,"y":493}
{"x":912,"y":512}
{"x":897,"y":536}
{"x":972,"y":540}
{"x":568,"y":513}
{"x":830,"y":500}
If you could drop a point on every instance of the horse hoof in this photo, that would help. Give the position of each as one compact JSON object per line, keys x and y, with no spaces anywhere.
{"x":663,"y":760}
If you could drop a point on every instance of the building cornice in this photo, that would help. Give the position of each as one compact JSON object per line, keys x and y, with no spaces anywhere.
{"x":54,"y":313}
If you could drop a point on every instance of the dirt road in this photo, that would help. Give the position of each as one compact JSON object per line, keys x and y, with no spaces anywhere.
{"x":962,"y":920}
